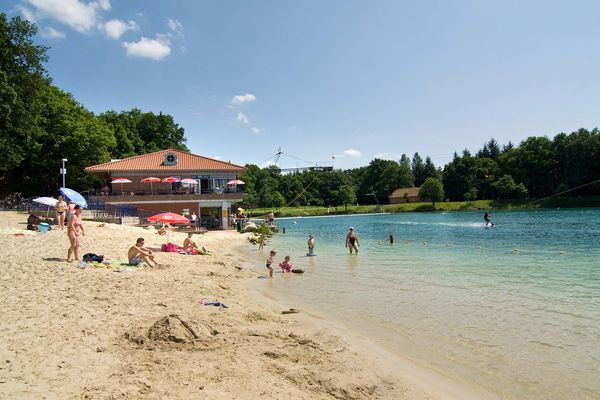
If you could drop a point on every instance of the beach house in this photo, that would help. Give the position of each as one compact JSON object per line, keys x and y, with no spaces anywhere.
{"x":405,"y":195}
{"x":170,"y":180}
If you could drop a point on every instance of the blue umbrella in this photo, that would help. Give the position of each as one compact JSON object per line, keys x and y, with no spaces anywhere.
{"x":73,"y":196}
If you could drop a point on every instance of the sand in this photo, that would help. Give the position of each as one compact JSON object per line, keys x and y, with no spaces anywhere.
{"x":94,"y":333}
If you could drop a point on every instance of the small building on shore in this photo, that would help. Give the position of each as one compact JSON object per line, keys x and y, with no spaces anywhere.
{"x":405,"y":195}
{"x":169,"y":180}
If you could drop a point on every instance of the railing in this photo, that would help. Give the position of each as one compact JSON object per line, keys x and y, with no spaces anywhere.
{"x":125,"y":198}
{"x":164,"y":192}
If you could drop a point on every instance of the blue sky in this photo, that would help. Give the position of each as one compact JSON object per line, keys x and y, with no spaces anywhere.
{"x":358,"y":79}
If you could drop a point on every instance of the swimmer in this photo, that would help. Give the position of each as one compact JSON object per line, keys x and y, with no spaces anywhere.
{"x":352,"y":240}
{"x":487,"y":219}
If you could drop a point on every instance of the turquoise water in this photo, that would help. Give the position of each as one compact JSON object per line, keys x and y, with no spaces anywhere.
{"x":514,"y":309}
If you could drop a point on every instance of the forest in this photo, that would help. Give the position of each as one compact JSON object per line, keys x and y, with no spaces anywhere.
{"x":40,"y":124}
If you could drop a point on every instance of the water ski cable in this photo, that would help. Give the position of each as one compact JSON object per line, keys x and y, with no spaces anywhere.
{"x":563,"y":192}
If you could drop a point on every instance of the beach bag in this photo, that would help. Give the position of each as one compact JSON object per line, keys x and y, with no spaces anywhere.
{"x":170,"y":248}
{"x":92,"y":257}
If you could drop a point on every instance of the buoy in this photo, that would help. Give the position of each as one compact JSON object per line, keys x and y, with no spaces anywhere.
{"x":562,"y":253}
{"x":517,"y":250}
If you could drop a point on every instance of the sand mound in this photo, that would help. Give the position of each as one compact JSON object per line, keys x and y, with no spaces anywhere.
{"x":172,"y":329}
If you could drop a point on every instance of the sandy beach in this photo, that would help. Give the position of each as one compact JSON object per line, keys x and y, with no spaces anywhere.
{"x":67,"y":332}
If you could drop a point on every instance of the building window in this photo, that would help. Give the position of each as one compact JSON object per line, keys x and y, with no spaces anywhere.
{"x":170,"y":159}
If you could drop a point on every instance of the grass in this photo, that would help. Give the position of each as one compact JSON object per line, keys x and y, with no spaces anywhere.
{"x":566,"y":202}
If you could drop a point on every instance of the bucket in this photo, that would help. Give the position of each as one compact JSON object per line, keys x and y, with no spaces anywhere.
{"x":43,"y":227}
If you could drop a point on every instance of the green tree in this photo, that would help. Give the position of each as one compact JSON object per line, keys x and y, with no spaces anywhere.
{"x":405,"y":174}
{"x":345,"y":195}
{"x":418,"y":169}
{"x":508,"y":189}
{"x":23,"y":80}
{"x":432,"y":190}
{"x":67,"y":130}
{"x":140,"y":132}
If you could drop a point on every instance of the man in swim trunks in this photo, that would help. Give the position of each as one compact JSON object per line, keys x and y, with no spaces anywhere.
{"x":352,"y":241}
{"x":487,"y":219}
{"x":139,"y":253}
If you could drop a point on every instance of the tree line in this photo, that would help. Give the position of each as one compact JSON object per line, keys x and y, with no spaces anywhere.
{"x":537,"y":167}
{"x":40,"y":124}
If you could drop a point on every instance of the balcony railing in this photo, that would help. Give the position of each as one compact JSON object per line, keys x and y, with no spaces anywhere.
{"x":165,"y":197}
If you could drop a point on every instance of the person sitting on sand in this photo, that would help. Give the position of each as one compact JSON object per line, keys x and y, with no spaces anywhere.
{"x":139,"y":253}
{"x":189,"y":244}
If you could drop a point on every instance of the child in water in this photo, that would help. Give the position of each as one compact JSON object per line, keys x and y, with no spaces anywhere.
{"x":285,"y":265}
{"x":270,"y":261}
{"x":311,"y":244}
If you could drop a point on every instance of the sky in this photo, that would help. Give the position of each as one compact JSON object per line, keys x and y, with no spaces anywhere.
{"x":323,"y":78}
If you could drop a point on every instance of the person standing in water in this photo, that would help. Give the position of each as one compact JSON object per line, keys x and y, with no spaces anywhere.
{"x":352,"y":241}
{"x":311,"y":244}
{"x":487,"y":219}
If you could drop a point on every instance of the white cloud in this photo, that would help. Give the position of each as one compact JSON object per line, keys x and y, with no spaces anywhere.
{"x":78,"y":15}
{"x":241,"y":117}
{"x":51,"y":33}
{"x":256,"y":130}
{"x":352,"y":153}
{"x":241,"y":99}
{"x":175,"y":26}
{"x":26,"y":13}
{"x":148,"y":48}
{"x":115,"y":28}
{"x":217,"y":157}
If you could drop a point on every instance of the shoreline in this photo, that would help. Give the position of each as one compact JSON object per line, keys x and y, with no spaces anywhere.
{"x":414,"y":373}
{"x":144,"y":334}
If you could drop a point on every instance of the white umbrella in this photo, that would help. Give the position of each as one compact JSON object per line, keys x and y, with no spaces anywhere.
{"x":121,"y":181}
{"x":235,"y":182}
{"x":47,"y":201}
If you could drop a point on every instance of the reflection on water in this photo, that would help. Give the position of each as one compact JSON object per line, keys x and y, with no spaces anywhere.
{"x":514,"y":308}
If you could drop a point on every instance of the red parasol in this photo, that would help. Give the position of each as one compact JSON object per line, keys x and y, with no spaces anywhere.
{"x":168,"y":217}
{"x":171,"y":179}
{"x":150,"y":179}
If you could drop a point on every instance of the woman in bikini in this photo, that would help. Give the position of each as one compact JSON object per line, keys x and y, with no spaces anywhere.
{"x":74,"y":227}
{"x":61,"y":209}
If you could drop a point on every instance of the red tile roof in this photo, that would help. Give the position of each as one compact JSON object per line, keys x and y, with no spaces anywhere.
{"x":412,"y":191}
{"x":155,"y":162}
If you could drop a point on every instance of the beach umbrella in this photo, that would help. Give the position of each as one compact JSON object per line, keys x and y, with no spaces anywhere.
{"x":189,"y":180}
{"x":171,"y":179}
{"x":74,"y":196}
{"x":168,"y":217}
{"x":121,"y":181}
{"x":150,"y":179}
{"x":47,"y":201}
{"x":236,"y":182}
